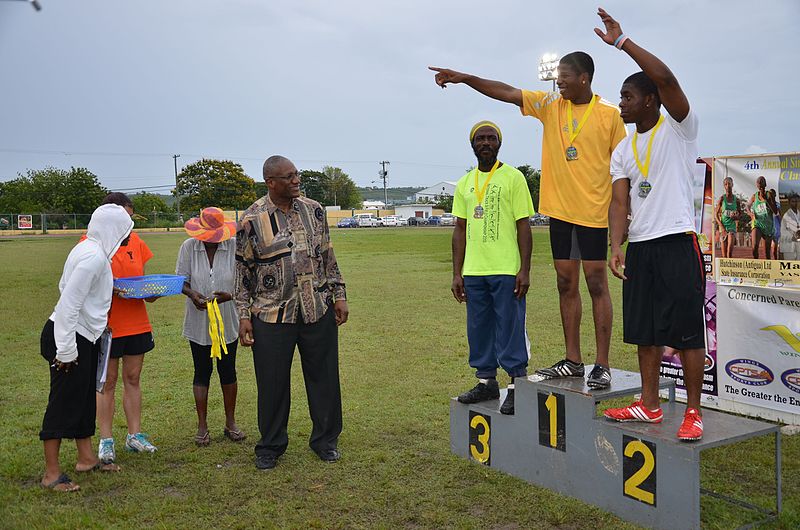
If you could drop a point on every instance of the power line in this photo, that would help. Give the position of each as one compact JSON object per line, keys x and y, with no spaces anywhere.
{"x":65,"y":152}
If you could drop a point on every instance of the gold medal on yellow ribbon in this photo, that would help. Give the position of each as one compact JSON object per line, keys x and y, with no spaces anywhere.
{"x":481,"y":192}
{"x":572,"y":151}
{"x":644,"y":186}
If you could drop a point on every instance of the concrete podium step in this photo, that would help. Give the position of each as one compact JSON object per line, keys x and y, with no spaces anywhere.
{"x":556,"y":439}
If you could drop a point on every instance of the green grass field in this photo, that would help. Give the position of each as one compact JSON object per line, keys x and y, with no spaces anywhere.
{"x":403,"y":356}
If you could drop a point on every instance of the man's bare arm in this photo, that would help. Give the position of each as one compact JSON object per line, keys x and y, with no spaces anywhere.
{"x":494,"y":89}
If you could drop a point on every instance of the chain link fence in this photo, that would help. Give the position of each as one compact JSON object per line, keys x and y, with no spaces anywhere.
{"x":44,"y":222}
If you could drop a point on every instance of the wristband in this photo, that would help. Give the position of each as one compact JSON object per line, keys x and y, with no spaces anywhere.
{"x":620,"y":41}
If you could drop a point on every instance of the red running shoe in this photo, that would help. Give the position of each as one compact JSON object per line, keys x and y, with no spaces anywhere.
{"x":692,"y":426}
{"x":635,"y":412}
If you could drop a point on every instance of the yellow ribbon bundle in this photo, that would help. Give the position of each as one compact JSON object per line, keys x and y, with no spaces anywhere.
{"x":216,"y":329}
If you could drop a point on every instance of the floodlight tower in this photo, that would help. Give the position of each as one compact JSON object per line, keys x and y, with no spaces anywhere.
{"x":35,"y":3}
{"x":548,"y":66}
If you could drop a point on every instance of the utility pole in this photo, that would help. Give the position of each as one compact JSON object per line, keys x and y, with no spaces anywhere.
{"x":177,"y":194}
{"x":383,"y":174}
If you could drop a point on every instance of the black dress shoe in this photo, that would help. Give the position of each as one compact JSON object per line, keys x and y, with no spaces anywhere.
{"x":329,"y":455}
{"x":266,"y":461}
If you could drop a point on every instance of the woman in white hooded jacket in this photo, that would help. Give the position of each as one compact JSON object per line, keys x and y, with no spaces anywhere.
{"x":71,"y":342}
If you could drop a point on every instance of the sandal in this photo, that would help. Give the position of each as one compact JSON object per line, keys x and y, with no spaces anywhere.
{"x":109,"y":467}
{"x":234,"y":435}
{"x":202,"y":440}
{"x":63,"y":484}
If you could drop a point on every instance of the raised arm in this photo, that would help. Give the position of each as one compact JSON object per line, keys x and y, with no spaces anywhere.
{"x":669,"y":91}
{"x":494,"y":89}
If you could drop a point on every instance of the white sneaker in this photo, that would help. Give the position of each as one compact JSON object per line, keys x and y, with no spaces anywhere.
{"x":105,"y":451}
{"x":139,"y":443}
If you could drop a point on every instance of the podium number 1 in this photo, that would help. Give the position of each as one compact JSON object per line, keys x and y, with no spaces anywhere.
{"x":480,"y":437}
{"x":552,"y":421}
{"x":639,"y":469}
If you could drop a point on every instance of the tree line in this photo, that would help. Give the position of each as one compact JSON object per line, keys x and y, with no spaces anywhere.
{"x":207,"y":182}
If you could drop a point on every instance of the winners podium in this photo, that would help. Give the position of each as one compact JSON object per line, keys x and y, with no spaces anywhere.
{"x":638,"y":471}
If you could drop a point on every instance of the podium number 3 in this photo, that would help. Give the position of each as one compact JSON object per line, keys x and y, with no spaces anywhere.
{"x":639,"y":470}
{"x":479,"y":437}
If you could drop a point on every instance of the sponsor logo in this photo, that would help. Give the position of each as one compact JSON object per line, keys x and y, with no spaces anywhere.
{"x":791,"y":379}
{"x":787,"y":336}
{"x":749,"y":372}
{"x":709,"y":363}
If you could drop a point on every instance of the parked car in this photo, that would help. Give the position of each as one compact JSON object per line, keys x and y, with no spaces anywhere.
{"x":389,"y":220}
{"x":434,"y":220}
{"x":416,"y":221}
{"x":347,"y":222}
{"x":447,"y":219}
{"x":540,"y":220}
{"x":366,"y":219}
{"x":402,"y":221}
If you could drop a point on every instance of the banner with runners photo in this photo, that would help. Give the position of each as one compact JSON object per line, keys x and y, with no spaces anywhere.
{"x":756,"y":220}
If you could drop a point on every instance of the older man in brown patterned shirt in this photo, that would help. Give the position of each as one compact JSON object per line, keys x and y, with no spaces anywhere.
{"x":289,"y":292}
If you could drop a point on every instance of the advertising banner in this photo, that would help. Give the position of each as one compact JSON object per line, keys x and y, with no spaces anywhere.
{"x":756,"y":218}
{"x":758,"y":354}
{"x":671,"y":366}
{"x":25,"y":221}
{"x":704,"y":212}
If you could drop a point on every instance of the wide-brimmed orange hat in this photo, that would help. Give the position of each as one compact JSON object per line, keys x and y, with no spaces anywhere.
{"x":210,"y":226}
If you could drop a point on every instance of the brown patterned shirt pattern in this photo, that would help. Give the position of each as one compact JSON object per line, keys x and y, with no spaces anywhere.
{"x":285,"y":263}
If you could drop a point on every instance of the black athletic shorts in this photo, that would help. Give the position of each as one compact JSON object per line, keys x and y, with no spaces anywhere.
{"x":664,"y":295}
{"x":571,"y":241}
{"x":132,"y":345}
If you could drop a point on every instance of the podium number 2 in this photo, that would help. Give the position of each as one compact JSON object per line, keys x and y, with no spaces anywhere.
{"x":552,"y":421}
{"x":479,"y":437}
{"x":639,"y":470}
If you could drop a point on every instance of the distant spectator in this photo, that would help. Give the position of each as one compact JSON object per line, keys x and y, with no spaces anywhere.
{"x":790,"y":230}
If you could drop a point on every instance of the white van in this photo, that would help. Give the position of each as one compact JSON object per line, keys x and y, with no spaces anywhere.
{"x":366,"y":219}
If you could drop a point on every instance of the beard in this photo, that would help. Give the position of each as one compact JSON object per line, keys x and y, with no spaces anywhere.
{"x":486,"y":157}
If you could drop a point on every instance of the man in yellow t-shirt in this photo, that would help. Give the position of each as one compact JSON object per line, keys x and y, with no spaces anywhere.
{"x":580,"y":131}
{"x":491,"y":265}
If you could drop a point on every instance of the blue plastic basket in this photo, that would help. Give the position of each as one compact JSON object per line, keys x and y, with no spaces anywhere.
{"x":150,"y":285}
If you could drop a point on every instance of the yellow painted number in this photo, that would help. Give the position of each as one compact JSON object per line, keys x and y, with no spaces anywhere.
{"x":552,"y":406}
{"x":632,"y":484}
{"x":481,"y":456}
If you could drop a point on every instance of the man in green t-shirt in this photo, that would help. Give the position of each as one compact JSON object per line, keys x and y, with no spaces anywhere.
{"x":491,"y":265}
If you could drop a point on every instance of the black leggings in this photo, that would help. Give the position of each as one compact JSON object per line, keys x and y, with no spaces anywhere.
{"x":203,"y":364}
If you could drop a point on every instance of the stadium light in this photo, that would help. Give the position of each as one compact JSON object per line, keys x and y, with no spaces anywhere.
{"x":35,"y":3}
{"x":548,"y":65}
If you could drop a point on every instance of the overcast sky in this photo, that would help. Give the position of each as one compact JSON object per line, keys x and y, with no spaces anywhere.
{"x":118,"y":87}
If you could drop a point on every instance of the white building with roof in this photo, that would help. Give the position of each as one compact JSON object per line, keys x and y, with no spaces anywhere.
{"x":374,"y":205}
{"x":445,"y":187}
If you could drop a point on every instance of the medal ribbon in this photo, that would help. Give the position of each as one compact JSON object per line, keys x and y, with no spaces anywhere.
{"x":645,"y":169}
{"x":216,"y":329}
{"x":480,"y":193}
{"x":574,"y":133}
